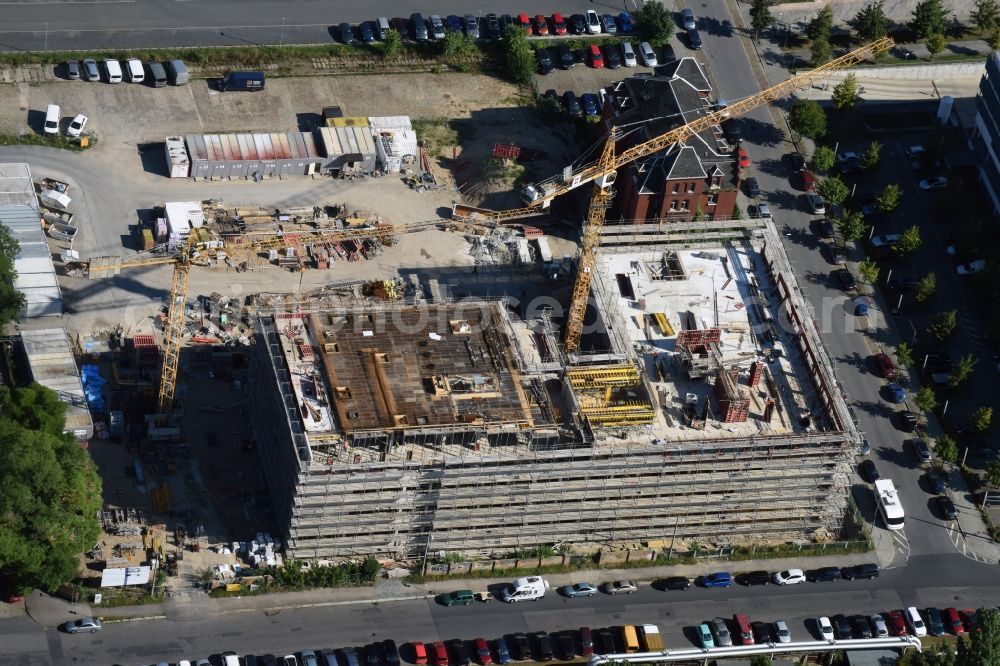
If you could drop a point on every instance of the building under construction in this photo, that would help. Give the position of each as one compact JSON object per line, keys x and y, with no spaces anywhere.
{"x":703,"y":407}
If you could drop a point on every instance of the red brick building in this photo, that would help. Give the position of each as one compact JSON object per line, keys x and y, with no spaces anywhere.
{"x":698,"y":176}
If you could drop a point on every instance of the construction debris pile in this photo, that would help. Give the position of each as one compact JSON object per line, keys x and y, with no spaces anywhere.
{"x":262,"y":550}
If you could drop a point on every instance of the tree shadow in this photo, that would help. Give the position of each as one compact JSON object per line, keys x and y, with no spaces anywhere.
{"x":765,"y":134}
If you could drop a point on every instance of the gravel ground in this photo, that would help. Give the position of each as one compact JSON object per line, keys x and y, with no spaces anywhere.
{"x":901,"y":11}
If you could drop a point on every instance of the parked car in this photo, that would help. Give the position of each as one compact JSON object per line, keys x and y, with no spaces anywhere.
{"x":816,"y":204}
{"x":869,"y":571}
{"x":824,"y":628}
{"x":346,"y":33}
{"x":75,"y":127}
{"x":763,"y":210}
{"x":897,"y":393}
{"x":744,"y":158}
{"x":605,"y":642}
{"x":897,"y":623}
{"x":541,"y":26}
{"x":824,"y":574}
{"x":718,"y":579}
{"x":789,"y":577}
{"x":72,"y":69}
{"x":578,"y":23}
{"x":687,"y":19}
{"x":578,"y":590}
{"x":590,"y":104}
{"x":868,"y":471}
{"x":862,"y":627}
{"x":586,"y":642}
{"x":596,"y":57}
{"x":754,"y":578}
{"x":571,"y":103}
{"x":544,"y":61}
{"x":459,"y":655}
{"x":921,"y":451}
{"x":824,"y":228}
{"x":90,"y":71}
{"x":675,"y":583}
{"x":762,"y":633}
{"x":543,"y":646}
{"x":720,"y":632}
{"x":350,"y":657}
{"x":471,"y":25}
{"x":782,"y":632}
{"x":934,"y":621}
{"x":374,"y":654}
{"x":506,"y":20}
{"x":367,"y":31}
{"x":733,"y":131}
{"x":558,"y":25}
{"x":565,"y":54}
{"x":612,"y":56}
{"x":846,"y":280}
{"x":935,"y":183}
{"x":694,"y":39}
{"x":625,"y":23}
{"x":520,"y":647}
{"x":483,"y":655}
{"x":438,"y":653}
{"x":564,"y":647}
{"x":523,"y":22}
{"x":935,"y":482}
{"x":620,"y":587}
{"x":753,"y":188}
{"x":946,"y":507}
{"x":908,"y":421}
{"x":493,"y":27}
{"x":437,"y":26}
{"x":953,"y":621}
{"x":593,"y":22}
{"x":841,"y":626}
{"x":87,"y":625}
{"x":458,"y":597}
{"x":453,"y":22}
{"x":608,"y":24}
{"x":705,"y":636}
{"x":648,"y":55}
{"x":972,"y":267}
{"x":503,"y":651}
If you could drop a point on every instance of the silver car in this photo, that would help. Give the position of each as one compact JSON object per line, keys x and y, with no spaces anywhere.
{"x":781,"y":631}
{"x":721,"y":632}
{"x":878,"y":625}
{"x":83,"y":625}
{"x":687,"y":19}
{"x":90,"y":70}
{"x":578,"y":590}
{"x":620,"y":587}
{"x":648,"y":55}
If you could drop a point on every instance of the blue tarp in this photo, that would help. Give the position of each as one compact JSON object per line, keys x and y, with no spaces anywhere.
{"x":93,"y":387}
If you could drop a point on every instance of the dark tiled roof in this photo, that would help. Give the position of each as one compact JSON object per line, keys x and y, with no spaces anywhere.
{"x":684,"y":164}
{"x":688,"y":69}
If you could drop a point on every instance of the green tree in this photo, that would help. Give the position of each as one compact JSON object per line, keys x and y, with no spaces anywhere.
{"x":870,"y":160}
{"x":737,"y":212}
{"x":890,"y":198}
{"x":457,"y":44}
{"x":807,"y":118}
{"x":833,"y":190}
{"x":983,"y":646}
{"x":846,"y":94}
{"x":946,"y":449}
{"x":982,"y":419}
{"x":51,"y":491}
{"x":821,"y":52}
{"x":995,"y":41}
{"x":548,"y":108}
{"x":926,"y":287}
{"x":938,"y":655}
{"x":925,"y":400}
{"x":760,"y":660}
{"x":962,"y":370}
{"x":943,"y":325}
{"x":909,"y":241}
{"x":992,"y":473}
{"x":929,"y":18}
{"x":851,"y":226}
{"x":904,"y":354}
{"x":11,"y":300}
{"x":986,"y":16}
{"x":935,"y":44}
{"x":869,"y":270}
{"x":819,"y":28}
{"x":654,"y":20}
{"x":760,"y":16}
{"x":392,"y":46}
{"x":518,"y":56}
{"x":823,"y":159}
{"x":871,"y":22}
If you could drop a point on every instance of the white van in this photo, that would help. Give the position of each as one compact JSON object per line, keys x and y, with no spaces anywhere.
{"x":114,"y":71}
{"x":383,"y":27}
{"x":136,"y":74}
{"x":531,"y":588}
{"x":52,"y":119}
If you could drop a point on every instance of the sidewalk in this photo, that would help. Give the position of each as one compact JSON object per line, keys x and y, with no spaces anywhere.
{"x":51,"y":611}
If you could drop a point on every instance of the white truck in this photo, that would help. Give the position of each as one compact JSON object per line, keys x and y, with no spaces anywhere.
{"x":529,"y":588}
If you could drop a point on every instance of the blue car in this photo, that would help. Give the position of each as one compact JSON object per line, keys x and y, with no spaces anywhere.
{"x":718,"y":579}
{"x":625,"y":23}
{"x":367,"y":31}
{"x":503,"y":653}
{"x":589,"y":102}
{"x":454,"y":23}
{"x":896,"y":393}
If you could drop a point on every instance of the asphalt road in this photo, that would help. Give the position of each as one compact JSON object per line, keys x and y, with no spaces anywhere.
{"x":36,"y":25}
{"x":927,"y":581}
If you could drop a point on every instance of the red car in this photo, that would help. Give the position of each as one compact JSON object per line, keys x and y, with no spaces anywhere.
{"x":897,"y":623}
{"x":419,"y":653}
{"x":558,"y":24}
{"x":968,"y":619}
{"x":541,"y":26}
{"x":953,"y":621}
{"x":586,"y":642}
{"x":744,"y":159}
{"x":439,"y":654}
{"x":596,"y":57}
{"x":807,"y":182}
{"x":523,"y":23}
{"x":483,"y":655}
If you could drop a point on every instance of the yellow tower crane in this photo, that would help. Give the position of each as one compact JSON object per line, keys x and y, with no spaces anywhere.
{"x":604,"y":171}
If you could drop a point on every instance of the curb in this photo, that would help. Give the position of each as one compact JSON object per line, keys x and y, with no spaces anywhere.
{"x":118,"y":620}
{"x":321,"y":604}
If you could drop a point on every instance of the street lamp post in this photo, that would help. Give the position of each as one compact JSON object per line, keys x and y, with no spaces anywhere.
{"x":677,"y":521}
{"x":46,"y":47}
{"x":282,"y":41}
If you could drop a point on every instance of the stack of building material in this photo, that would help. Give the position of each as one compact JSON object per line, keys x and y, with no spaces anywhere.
{"x":261,"y":551}
{"x":182,"y":217}
{"x":395,"y":142}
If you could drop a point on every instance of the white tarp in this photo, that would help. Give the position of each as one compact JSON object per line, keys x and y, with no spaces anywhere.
{"x":126,"y":576}
{"x":54,"y":199}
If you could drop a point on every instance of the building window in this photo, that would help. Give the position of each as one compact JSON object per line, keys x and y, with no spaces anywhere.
{"x":684,"y":206}
{"x":676,"y":189}
{"x":673,"y":206}
{"x":690,"y":188}
{"x":713,"y":199}
{"x":716,"y":181}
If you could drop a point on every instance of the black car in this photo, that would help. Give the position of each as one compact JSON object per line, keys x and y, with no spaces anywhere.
{"x":391,"y":652}
{"x":675,"y":583}
{"x":796,"y":162}
{"x":903,"y":284}
{"x":908,"y":421}
{"x":824,"y":574}
{"x":544,"y":61}
{"x":846,"y":279}
{"x":934,"y":622}
{"x":694,"y":38}
{"x":367,"y":30}
{"x":493,"y":26}
{"x":935,"y":482}
{"x":565,"y":54}
{"x":732,"y":129}
{"x":868,"y":471}
{"x":841,"y":626}
{"x":667,"y":54}
{"x":519,"y":646}
{"x":762,"y":633}
{"x":754,"y":578}
{"x":862,"y":628}
{"x":824,"y":228}
{"x":604,"y":642}
{"x":543,"y":646}
{"x":571,"y":103}
{"x":565,"y":649}
{"x":868,"y":570}
{"x":578,"y":24}
{"x":459,"y":655}
{"x":346,"y":33}
{"x":946,"y":507}
{"x":753,"y":189}
{"x":612,"y":56}
{"x":373,"y":654}
{"x":506,"y":20}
